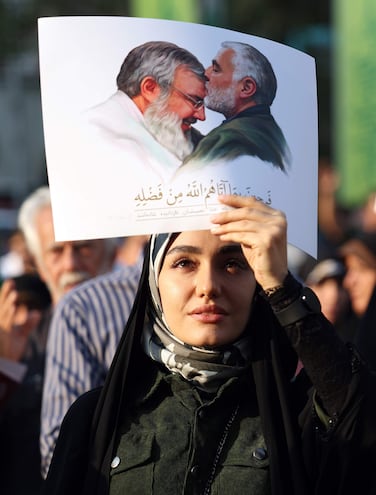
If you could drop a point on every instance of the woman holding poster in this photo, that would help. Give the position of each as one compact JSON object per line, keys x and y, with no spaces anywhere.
{"x":203,"y":397}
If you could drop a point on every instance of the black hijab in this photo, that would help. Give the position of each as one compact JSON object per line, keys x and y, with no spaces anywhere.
{"x":273,"y":364}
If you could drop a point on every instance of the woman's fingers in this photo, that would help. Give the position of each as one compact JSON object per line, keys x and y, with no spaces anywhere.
{"x":261,"y":230}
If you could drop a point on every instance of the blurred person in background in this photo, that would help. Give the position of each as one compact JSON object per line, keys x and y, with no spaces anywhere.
{"x":84,"y":333}
{"x":61,"y":266}
{"x":325,"y":278}
{"x":17,"y":259}
{"x":23,"y":301}
{"x":359,"y":256}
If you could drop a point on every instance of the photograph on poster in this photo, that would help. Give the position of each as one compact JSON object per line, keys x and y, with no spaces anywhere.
{"x":147,"y":121}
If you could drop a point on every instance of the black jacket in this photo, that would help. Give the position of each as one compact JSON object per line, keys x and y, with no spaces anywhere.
{"x":306,"y":457}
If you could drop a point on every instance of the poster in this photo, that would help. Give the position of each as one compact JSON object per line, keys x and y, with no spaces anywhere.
{"x":116,"y":168}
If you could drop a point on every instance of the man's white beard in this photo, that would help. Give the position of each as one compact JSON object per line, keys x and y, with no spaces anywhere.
{"x":166,"y":128}
{"x":221,"y":100}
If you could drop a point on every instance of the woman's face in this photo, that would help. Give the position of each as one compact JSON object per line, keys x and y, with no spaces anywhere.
{"x":206,"y":288}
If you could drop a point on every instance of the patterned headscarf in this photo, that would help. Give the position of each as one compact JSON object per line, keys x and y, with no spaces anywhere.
{"x":208,"y":368}
{"x":272,"y":364}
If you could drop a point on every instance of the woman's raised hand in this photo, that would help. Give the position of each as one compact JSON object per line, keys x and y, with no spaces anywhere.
{"x":262,"y":233}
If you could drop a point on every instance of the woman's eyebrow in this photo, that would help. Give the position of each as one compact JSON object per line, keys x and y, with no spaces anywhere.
{"x":184,"y":249}
{"x":231,"y":249}
{"x":227,"y":249}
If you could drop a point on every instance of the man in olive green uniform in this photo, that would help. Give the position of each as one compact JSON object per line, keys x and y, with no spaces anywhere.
{"x":241,"y":85}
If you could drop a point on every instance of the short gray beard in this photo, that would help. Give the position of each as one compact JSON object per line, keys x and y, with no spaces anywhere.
{"x":59,"y":289}
{"x":221,"y":100}
{"x":73,"y":278}
{"x":165,"y":126}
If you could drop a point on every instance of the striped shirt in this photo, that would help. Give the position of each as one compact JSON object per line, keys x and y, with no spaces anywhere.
{"x":83,"y":336}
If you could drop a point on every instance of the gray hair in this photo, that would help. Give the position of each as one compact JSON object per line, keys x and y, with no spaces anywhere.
{"x":157,"y":59}
{"x":33,"y":204}
{"x":249,"y":61}
{"x":28,"y":211}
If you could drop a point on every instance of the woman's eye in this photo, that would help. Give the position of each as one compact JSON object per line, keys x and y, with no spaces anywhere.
{"x":235,"y":264}
{"x":183,"y":263}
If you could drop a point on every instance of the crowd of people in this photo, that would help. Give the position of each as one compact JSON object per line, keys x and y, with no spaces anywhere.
{"x":191,"y":362}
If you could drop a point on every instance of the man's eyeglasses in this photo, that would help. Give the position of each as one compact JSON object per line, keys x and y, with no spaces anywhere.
{"x":197,"y":103}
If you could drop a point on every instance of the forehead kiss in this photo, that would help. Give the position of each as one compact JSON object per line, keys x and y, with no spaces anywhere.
{"x":187,"y":95}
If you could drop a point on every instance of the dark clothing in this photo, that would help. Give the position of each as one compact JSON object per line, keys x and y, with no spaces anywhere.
{"x":304,"y":456}
{"x":20,"y":421}
{"x":251,"y":132}
{"x":365,"y":335}
{"x":170,"y":439}
{"x":196,"y":136}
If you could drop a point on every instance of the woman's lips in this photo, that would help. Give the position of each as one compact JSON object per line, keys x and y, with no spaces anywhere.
{"x":208,"y":313}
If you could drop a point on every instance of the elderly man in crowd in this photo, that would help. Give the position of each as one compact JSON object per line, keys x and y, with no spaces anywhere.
{"x":62,"y":266}
{"x":84,"y":333}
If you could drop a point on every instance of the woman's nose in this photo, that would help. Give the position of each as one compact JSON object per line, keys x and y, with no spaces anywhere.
{"x":207,"y":283}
